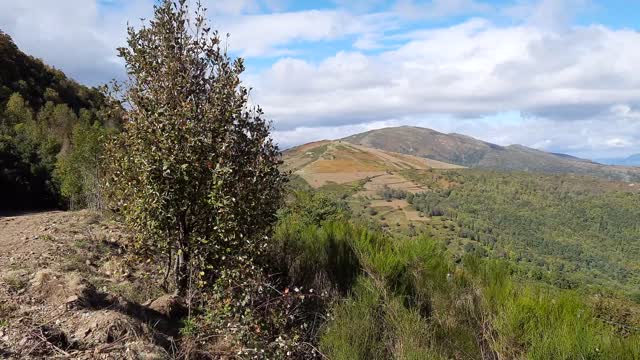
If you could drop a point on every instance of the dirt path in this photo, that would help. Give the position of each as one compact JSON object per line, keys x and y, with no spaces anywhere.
{"x":43,"y":239}
{"x":67,"y":291}
{"x":22,"y":236}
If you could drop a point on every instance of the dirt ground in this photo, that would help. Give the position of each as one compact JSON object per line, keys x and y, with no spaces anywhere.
{"x":67,"y":291}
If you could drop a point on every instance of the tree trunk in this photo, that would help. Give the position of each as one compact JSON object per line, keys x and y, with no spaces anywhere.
{"x":182,"y":272}
{"x":183,"y":260}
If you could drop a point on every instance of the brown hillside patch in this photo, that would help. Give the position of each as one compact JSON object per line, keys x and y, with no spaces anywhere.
{"x":394,"y":181}
{"x":339,"y":162}
{"x":306,"y":147}
{"x":404,"y":161}
{"x":317,"y":180}
{"x":342,"y":166}
{"x":295,"y":163}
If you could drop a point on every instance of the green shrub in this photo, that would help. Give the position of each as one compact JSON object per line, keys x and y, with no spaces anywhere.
{"x":410,"y":301}
{"x":355,"y":331}
{"x":318,"y":257}
{"x":557,"y":326}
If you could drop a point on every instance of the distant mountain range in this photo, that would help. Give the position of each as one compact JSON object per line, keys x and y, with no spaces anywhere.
{"x":633,"y":160}
{"x":473,"y":153}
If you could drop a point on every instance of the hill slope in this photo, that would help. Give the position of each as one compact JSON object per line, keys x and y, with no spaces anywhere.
{"x":467,"y":151}
{"x":633,"y":160}
{"x":38,"y":82}
{"x":45,"y":117}
{"x":324,"y":162}
{"x":564,"y":229}
{"x":68,"y":291}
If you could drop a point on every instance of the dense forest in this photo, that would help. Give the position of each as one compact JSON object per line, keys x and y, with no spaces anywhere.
{"x":50,"y":131}
{"x":567,"y":230}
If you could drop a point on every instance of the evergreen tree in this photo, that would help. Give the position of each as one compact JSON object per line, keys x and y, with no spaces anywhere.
{"x":194,"y":171}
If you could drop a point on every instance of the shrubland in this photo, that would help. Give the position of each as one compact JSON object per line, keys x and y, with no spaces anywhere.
{"x":391,"y":296}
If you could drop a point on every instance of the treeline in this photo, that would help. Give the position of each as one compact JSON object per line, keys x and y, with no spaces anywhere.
{"x":51,"y":133}
{"x":580,"y":230}
{"x":388,"y":193}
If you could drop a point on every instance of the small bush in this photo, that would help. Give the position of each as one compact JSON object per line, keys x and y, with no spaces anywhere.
{"x":317,"y":257}
{"x":15,"y":281}
{"x":356,"y":332}
{"x":389,"y":194}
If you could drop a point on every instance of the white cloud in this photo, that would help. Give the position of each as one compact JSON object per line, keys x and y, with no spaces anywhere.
{"x":565,"y":80}
{"x":238,"y":7}
{"x":547,"y":14}
{"x":78,"y":36}
{"x":235,"y":7}
{"x":439,"y":8}
{"x":269,"y":34}
{"x":576,"y":87}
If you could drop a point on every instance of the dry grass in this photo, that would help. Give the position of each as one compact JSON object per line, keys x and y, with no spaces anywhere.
{"x":317,"y":180}
{"x":15,"y":280}
{"x":53,"y":279}
{"x":342,"y":166}
{"x":339,"y":162}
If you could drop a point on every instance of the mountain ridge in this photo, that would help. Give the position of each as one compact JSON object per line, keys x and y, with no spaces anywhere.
{"x":464,"y":150}
{"x":324,"y":162}
{"x":631,"y":160}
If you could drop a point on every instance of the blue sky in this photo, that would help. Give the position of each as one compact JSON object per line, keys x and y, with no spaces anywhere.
{"x":559,"y":75}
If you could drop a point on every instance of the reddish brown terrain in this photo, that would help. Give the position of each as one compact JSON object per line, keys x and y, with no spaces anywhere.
{"x":324,"y":162}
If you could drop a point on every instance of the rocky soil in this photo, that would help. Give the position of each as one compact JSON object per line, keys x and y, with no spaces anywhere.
{"x":68,"y":291}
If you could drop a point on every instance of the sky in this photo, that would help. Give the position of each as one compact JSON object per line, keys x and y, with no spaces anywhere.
{"x":557,"y":75}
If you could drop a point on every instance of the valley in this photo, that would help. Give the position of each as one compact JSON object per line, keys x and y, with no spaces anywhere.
{"x":565,"y":230}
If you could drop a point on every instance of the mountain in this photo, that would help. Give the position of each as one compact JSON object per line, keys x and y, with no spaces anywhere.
{"x":633,"y":160}
{"x":38,"y":82}
{"x":325,"y":162}
{"x":43,"y":116}
{"x":561,"y":221}
{"x":470,"y":152}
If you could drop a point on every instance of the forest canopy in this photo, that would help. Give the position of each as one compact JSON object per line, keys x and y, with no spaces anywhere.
{"x":43,"y":116}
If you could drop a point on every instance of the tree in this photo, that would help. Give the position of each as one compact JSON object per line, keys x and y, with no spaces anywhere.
{"x":17,"y":111}
{"x":79,"y":170}
{"x":194,"y":171}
